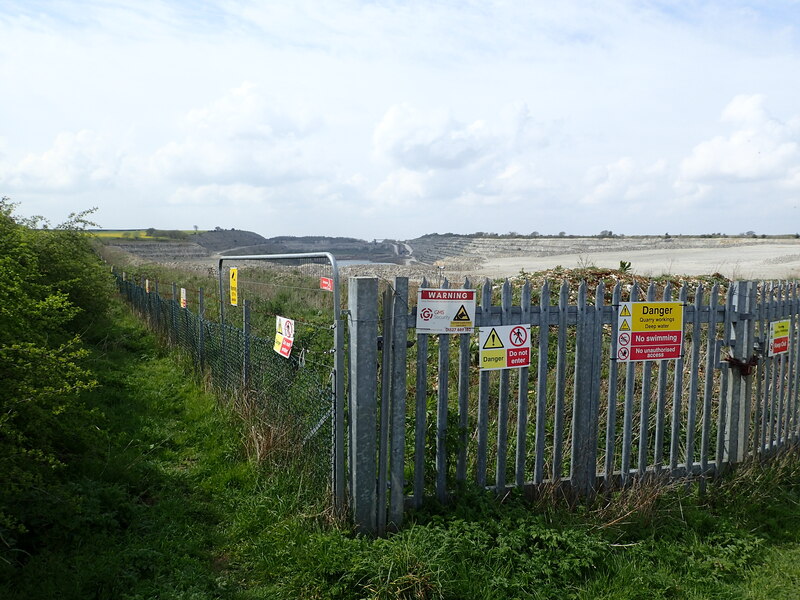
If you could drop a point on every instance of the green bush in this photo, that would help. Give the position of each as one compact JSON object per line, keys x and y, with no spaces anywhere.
{"x":51,"y":284}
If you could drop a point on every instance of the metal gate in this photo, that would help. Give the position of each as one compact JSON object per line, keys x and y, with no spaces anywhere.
{"x":291,"y":388}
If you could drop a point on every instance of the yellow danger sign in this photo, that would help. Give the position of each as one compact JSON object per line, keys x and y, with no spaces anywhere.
{"x":649,"y":331}
{"x":234,"y":285}
{"x":780,"y":328}
{"x":493,"y":341}
{"x":655,"y":316}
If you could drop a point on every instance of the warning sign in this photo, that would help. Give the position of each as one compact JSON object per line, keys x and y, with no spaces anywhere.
{"x":184,"y":303}
{"x":778,"y":337}
{"x":234,"y":280}
{"x":284,"y":336}
{"x":493,"y":342}
{"x":504,"y":347}
{"x":650,"y":331}
{"x":462,"y":316}
{"x":326,"y":283}
{"x":445,"y":311}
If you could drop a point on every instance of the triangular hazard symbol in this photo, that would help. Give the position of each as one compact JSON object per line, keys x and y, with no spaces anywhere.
{"x":493,"y":341}
{"x":625,"y":312}
{"x":625,"y":326}
{"x":462,"y":314}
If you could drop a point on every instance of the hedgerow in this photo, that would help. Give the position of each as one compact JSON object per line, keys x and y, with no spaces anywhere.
{"x":51,"y":285}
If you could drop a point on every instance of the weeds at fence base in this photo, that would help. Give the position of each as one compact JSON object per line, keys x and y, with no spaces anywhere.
{"x":261,"y":438}
{"x":638,"y":502}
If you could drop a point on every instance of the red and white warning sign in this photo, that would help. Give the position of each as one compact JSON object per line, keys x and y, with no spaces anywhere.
{"x":284,"y":336}
{"x":504,"y":347}
{"x":778,"y":337}
{"x":326,"y":283}
{"x":649,"y":331}
{"x":445,"y":311}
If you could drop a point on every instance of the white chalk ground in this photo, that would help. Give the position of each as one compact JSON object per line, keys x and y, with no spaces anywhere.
{"x":765,"y":260}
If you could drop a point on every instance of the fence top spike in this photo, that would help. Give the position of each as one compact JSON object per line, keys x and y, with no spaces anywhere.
{"x":582,"y":294}
{"x":699,"y":289}
{"x":634,"y":292}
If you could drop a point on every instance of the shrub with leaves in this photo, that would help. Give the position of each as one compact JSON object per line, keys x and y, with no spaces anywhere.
{"x":50,"y":282}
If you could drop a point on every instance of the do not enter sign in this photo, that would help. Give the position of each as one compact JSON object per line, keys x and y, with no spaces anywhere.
{"x":504,"y":347}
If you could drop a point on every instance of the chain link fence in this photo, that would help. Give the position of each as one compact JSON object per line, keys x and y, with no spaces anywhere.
{"x":287,"y":403}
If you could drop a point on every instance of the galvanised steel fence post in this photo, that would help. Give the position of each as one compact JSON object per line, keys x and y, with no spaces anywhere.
{"x":246,"y":346}
{"x":739,"y":387}
{"x":201,"y":337}
{"x":173,"y":313}
{"x":363,"y":324}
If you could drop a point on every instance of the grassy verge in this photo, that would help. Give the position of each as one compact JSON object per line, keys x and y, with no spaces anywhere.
{"x":165,"y":505}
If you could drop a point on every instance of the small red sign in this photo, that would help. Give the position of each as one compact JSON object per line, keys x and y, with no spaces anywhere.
{"x":326,"y":283}
{"x":447,"y":294}
{"x":663,"y":352}
{"x":286,"y":347}
{"x":518,"y":357}
{"x":780,"y":345}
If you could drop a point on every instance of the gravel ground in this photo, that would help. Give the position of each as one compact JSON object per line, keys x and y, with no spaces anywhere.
{"x":734,"y":258}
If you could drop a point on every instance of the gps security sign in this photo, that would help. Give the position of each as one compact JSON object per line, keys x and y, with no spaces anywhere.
{"x":445,"y":311}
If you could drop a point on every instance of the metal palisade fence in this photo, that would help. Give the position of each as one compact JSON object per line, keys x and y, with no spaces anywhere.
{"x":585,"y":412}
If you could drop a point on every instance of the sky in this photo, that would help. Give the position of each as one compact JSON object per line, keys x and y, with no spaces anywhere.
{"x":393,"y":119}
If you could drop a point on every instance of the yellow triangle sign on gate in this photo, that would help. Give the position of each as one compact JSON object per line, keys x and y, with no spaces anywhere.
{"x":493,"y":341}
{"x":625,"y":325}
{"x":625,"y":312}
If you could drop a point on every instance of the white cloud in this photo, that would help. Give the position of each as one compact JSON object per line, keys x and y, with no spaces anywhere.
{"x":624,"y":182}
{"x":420,"y":141}
{"x":220,"y":195}
{"x":242,"y":138}
{"x":760,"y":147}
{"x":435,"y":157}
{"x":76,"y":160}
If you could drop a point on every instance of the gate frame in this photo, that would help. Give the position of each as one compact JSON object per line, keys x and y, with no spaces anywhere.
{"x":338,"y":471}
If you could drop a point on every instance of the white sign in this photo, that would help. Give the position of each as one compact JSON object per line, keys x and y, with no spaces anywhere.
{"x":779,"y":337}
{"x":504,"y":347}
{"x":445,"y":311}
{"x":284,"y":336}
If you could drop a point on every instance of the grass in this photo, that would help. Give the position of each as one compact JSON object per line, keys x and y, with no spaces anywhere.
{"x":136,"y":234}
{"x":166,"y":505}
